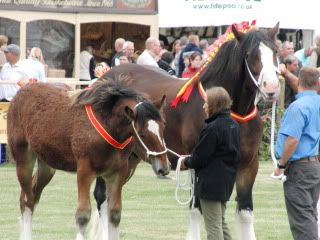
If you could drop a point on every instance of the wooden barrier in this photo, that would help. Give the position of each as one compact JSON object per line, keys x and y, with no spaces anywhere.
{"x":3,"y":121}
{"x":73,"y":82}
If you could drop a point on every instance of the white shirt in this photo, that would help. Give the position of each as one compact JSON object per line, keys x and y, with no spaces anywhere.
{"x":85,"y":58}
{"x":147,"y":59}
{"x":34,"y":69}
{"x":11,"y":72}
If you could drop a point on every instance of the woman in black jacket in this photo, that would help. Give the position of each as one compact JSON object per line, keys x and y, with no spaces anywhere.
{"x":215,"y":159}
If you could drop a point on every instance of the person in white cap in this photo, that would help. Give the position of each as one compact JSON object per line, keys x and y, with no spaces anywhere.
{"x":12,"y":70}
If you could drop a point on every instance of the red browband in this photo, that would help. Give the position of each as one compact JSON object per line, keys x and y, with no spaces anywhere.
{"x":106,"y":136}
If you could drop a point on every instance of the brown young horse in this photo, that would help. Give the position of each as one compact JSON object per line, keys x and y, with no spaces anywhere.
{"x":244,"y":66}
{"x":44,"y":123}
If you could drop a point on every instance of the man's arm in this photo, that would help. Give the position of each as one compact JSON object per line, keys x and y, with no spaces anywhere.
{"x":289,"y":148}
{"x":290,"y":77}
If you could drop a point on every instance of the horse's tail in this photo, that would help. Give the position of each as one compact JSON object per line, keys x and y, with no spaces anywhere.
{"x":15,"y":130}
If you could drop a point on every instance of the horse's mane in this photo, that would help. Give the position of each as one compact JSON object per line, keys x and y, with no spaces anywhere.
{"x":227,"y":65}
{"x":104,"y":95}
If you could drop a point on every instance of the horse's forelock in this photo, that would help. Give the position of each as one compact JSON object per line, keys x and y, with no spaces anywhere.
{"x":252,"y":40}
{"x":146,"y":111}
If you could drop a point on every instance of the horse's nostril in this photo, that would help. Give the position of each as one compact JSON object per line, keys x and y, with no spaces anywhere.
{"x":270,"y":94}
{"x":161,"y":172}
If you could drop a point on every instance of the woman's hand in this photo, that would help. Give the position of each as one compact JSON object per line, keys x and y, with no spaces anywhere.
{"x":183,"y":165}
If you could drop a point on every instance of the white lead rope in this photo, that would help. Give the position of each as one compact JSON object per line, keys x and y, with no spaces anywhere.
{"x":282,"y":177}
{"x":188,"y":185}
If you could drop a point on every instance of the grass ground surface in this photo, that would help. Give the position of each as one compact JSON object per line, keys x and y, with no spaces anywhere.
{"x":150,"y":211}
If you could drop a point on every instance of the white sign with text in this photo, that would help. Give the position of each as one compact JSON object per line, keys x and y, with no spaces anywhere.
{"x":194,"y":13}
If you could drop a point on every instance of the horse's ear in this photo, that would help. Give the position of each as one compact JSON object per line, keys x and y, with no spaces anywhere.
{"x":274,"y":31}
{"x":237,"y":34}
{"x":160,"y":103}
{"x":129,"y":113}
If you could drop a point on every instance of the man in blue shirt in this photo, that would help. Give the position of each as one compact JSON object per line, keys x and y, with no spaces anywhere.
{"x":297,"y":147}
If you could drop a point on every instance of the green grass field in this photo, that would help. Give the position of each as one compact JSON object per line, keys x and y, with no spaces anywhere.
{"x":150,"y":211}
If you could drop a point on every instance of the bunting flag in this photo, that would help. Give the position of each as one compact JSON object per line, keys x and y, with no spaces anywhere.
{"x":185,"y":91}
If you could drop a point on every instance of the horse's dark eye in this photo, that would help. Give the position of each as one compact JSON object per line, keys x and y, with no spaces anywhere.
{"x":141,"y":134}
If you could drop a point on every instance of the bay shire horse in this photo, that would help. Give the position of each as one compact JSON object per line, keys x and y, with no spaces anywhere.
{"x":244,"y":66}
{"x":94,"y":135}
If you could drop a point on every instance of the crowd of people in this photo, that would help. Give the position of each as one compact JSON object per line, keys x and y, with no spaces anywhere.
{"x":292,"y":61}
{"x":187,"y":54}
{"x":177,"y":62}
{"x":23,"y":71}
{"x":185,"y":58}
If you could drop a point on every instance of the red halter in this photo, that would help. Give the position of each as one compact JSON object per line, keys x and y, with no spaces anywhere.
{"x":234,"y":115}
{"x":104,"y":134}
{"x":241,"y":118}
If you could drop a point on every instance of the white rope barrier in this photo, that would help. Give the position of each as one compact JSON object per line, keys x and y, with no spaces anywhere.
{"x":69,"y":81}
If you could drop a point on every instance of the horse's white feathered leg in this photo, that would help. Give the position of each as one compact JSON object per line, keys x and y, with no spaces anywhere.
{"x":80,"y":233}
{"x":80,"y":236}
{"x":245,"y":227}
{"x":104,"y":221}
{"x":194,"y":225}
{"x":26,"y":224}
{"x":113,"y":232}
{"x":94,"y":225}
{"x":99,"y":225}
